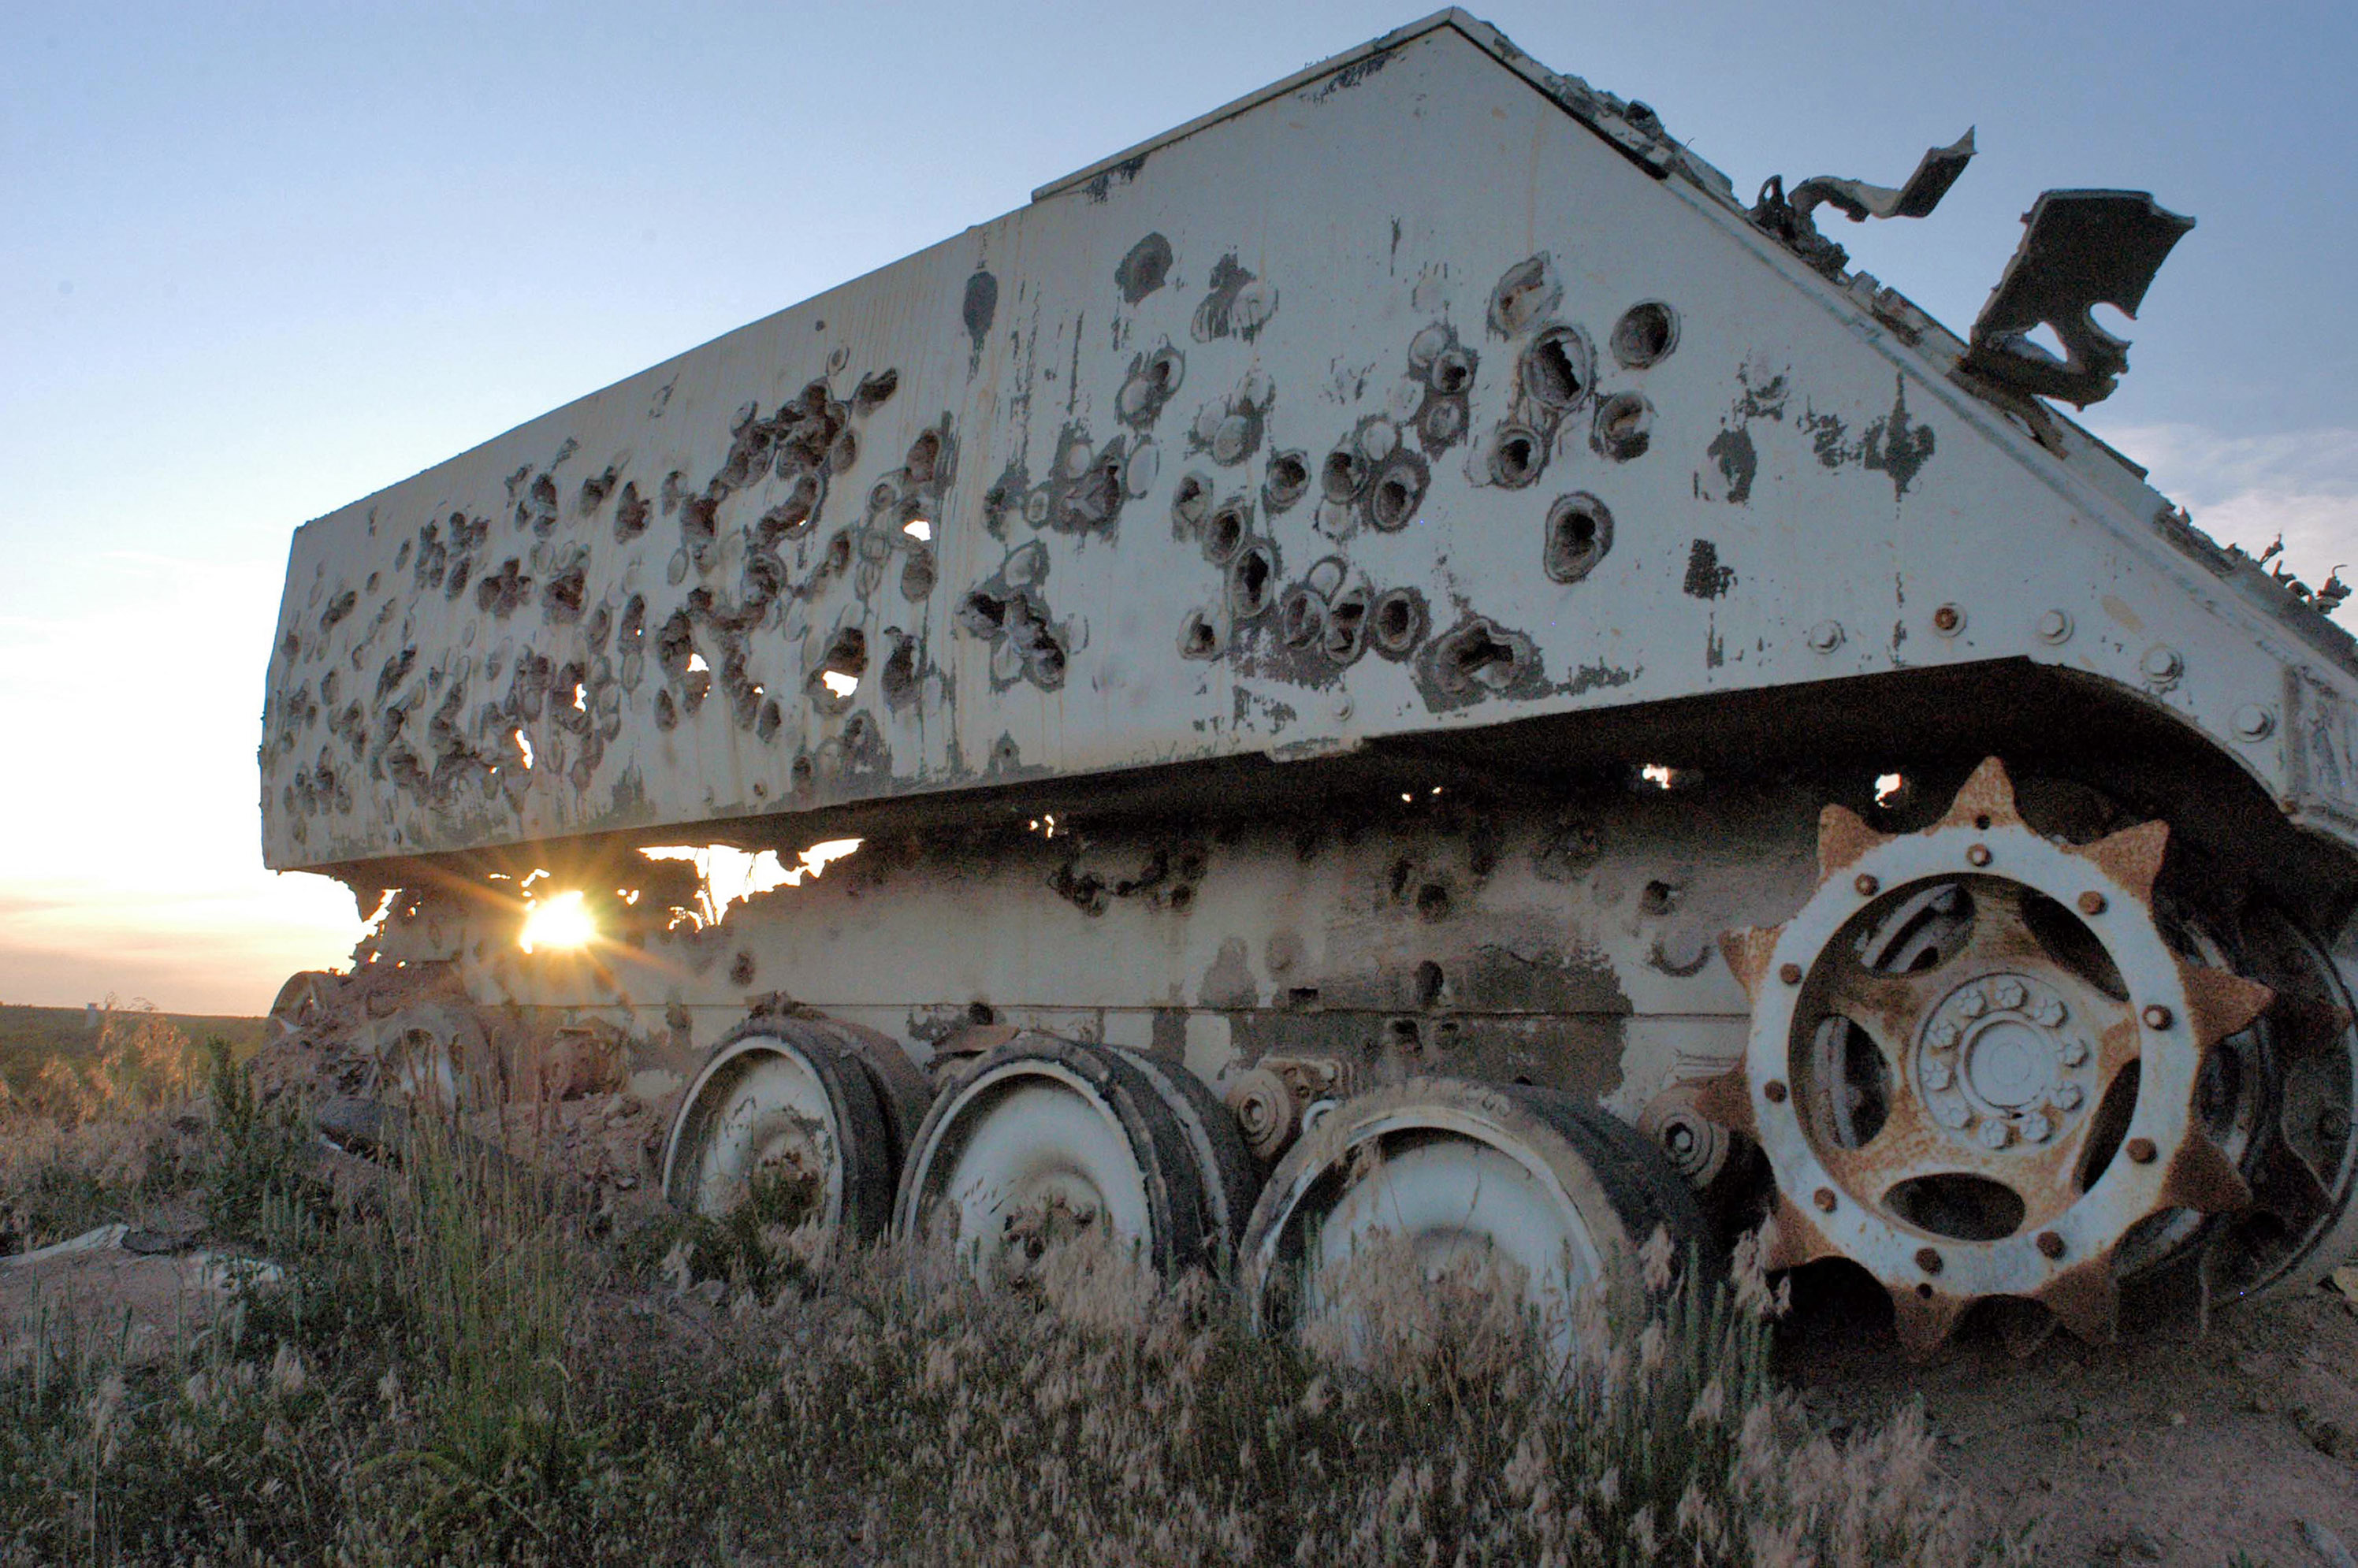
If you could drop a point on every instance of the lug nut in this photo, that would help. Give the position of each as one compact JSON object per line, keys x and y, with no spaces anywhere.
{"x":2009,"y":994}
{"x":2036,"y":1127}
{"x":1949,"y":1113}
{"x":1947,"y":620}
{"x":1997,"y":1133}
{"x":2155,"y":1016}
{"x":1942,"y":1035}
{"x":1824,"y":1198}
{"x":2074,"y":1053}
{"x":1774,"y":1089}
{"x":2049,"y":1012}
{"x":2067,"y":1097}
{"x":1937,"y":1076}
{"x":2050,"y":1245}
{"x":1790,"y":974}
{"x":1867,"y":885}
{"x":1972,"y":1003}
{"x":1978,"y":855}
{"x":2141,"y":1151}
{"x":1928,"y":1259}
{"x":2092,"y":903}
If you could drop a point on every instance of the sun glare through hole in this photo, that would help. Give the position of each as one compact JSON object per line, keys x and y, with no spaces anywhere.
{"x":559,"y":921}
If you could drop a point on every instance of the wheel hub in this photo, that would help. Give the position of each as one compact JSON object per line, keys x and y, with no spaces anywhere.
{"x":1975,"y":1062}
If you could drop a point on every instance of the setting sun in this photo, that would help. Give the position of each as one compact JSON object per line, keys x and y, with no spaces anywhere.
{"x":561,"y":920}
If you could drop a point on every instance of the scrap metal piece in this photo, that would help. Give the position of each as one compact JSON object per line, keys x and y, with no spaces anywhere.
{"x":1791,"y":218}
{"x":2080,"y":249}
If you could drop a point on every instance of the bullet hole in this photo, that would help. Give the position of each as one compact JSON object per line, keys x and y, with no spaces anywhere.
{"x":766,"y":726}
{"x":844,"y":455}
{"x":601,"y":626}
{"x":561,"y":599}
{"x":1347,"y":626}
{"x":837,"y":559}
{"x":1515,"y":455}
{"x":981,"y":1014}
{"x":1432,"y":902}
{"x":740,"y":969}
{"x":883,"y":497}
{"x":982,"y":303}
{"x":983,"y":614}
{"x":1624,"y":427}
{"x":501,"y":593}
{"x":394,"y":671}
{"x":1191,"y":501}
{"x":917,"y":574}
{"x":1224,"y":532}
{"x":1479,"y":654}
{"x":539,"y":508}
{"x":1401,"y":1036}
{"x":1288,"y":481}
{"x":793,"y":514}
{"x":1198,"y":639}
{"x":900,"y":673}
{"x":1525,"y":296}
{"x":1559,"y":370}
{"x":1142,"y":271}
{"x":1344,"y":475}
{"x":1428,"y":984}
{"x":666,"y":712}
{"x":1153,"y":377}
{"x":1249,"y":582}
{"x":1645,"y":334}
{"x":340,"y":607}
{"x":1399,"y":622}
{"x":1658,"y":899}
{"x":1442,"y":423}
{"x":1232,"y":440}
{"x":596,"y":488}
{"x":634,"y":627}
{"x":1579,"y":532}
{"x":1398,"y":494}
{"x":631,"y":514}
{"x":802,"y":771}
{"x":836,"y":678}
{"x":924,"y":457}
{"x":874,"y":391}
{"x":1301,"y":618}
{"x":370,"y":586}
{"x":1451,"y":372}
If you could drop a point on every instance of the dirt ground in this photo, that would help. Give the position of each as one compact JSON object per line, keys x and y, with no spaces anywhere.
{"x":2149,"y":1451}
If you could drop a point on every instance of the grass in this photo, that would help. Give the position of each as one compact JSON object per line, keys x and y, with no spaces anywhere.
{"x":454,"y":1368}
{"x":52,"y":1061}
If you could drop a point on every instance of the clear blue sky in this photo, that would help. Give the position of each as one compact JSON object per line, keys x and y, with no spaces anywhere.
{"x":257,"y":261}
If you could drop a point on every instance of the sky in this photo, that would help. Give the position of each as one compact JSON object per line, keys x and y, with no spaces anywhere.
{"x":257,"y":261}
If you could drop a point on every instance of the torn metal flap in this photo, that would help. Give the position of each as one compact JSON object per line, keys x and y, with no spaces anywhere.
{"x":2080,"y":249}
{"x":1858,"y":201}
{"x":1789,"y":217}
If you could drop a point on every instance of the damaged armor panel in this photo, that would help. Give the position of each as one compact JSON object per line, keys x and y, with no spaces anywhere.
{"x":1285,"y":638}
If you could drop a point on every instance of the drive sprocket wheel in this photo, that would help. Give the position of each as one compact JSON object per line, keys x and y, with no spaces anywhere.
{"x":1975,"y":1062}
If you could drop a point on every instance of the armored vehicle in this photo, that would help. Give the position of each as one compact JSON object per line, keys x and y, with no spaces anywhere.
{"x":1395,"y":659}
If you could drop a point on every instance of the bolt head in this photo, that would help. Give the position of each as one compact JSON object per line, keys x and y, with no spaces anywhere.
{"x":1972,"y":1002}
{"x":1941,"y":1036}
{"x":2049,"y":1012}
{"x":1952,"y":1114}
{"x":2141,"y":1151}
{"x":1774,"y":1091}
{"x":2036,"y":1127}
{"x":2155,"y":1016}
{"x":1948,"y":620}
{"x":2092,"y":903}
{"x":1937,"y":1076}
{"x":2067,"y":1097}
{"x":2074,"y":1053}
{"x":2050,"y":1245}
{"x":1790,"y":974}
{"x":2255,"y":721}
{"x":1824,"y":1198}
{"x":1867,"y":884}
{"x":1929,"y":1260}
{"x":2162,"y":663}
{"x":2055,"y":626}
{"x":1997,"y":1133}
{"x":1978,"y":855}
{"x":2008,"y":993}
{"x":1825,"y":636}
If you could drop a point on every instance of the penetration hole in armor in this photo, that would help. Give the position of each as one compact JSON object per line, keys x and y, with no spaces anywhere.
{"x":1579,"y":533}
